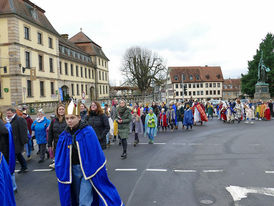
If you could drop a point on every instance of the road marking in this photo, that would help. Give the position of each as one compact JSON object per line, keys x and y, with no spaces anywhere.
{"x":161,"y":143}
{"x":212,"y":171}
{"x":269,"y":172}
{"x":239,"y":193}
{"x":142,"y":143}
{"x":195,"y":144}
{"x":185,"y":171}
{"x":156,"y":170}
{"x":42,"y":170}
{"x":179,"y":143}
{"x":125,"y":170}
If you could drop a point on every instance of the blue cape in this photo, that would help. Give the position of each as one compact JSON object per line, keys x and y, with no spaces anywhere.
{"x":92,"y":162}
{"x":146,"y":124}
{"x":175,"y":109}
{"x":6,"y":190}
{"x":188,"y":117}
{"x":11,"y":149}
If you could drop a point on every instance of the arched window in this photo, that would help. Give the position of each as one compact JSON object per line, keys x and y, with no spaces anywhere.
{"x":190,"y":77}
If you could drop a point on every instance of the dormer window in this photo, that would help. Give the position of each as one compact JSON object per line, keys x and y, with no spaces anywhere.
{"x":197,"y":77}
{"x":176,"y":78}
{"x":218,"y":76}
{"x":207,"y":76}
{"x":190,"y":77}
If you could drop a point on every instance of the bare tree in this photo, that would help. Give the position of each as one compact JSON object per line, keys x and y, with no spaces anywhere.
{"x":141,"y":67}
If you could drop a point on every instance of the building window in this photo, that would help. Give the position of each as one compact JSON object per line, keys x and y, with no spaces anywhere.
{"x":29,"y":89}
{"x":190,"y":77}
{"x":89,"y":74}
{"x":50,"y":43}
{"x":26,"y":31}
{"x":66,"y":68}
{"x":194,"y":85}
{"x":92,"y":74}
{"x":77,"y":71}
{"x":210,"y":92}
{"x":189,"y":93}
{"x":198,"y":85}
{"x":181,"y":93}
{"x":197,"y":77}
{"x":77,"y":89}
{"x":50,"y":64}
{"x":201,"y":85}
{"x":72,"y":89}
{"x":103,"y":89}
{"x":99,"y":75}
{"x":86,"y":75}
{"x":218,"y":84}
{"x":71,"y":69}
{"x":194,"y":93}
{"x":42,"y":89}
{"x":206,"y":85}
{"x":82,"y":88}
{"x":206,"y":92}
{"x":202,"y":92}
{"x":214,"y":92}
{"x":103,"y":76}
{"x":81,"y":71}
{"x":189,"y":85}
{"x":210,"y":85}
{"x":52,"y":88}
{"x":39,"y":38}
{"x":214,"y":84}
{"x":60,"y":67}
{"x":184,"y":77}
{"x":176,"y":86}
{"x":40,"y":60}
{"x":100,"y":89}
{"x":106,"y":76}
{"x":176,"y":78}
{"x":177,"y":94}
{"x":219,"y":92}
{"x":86,"y":89}
{"x":198,"y":92}
{"x":27,"y":58}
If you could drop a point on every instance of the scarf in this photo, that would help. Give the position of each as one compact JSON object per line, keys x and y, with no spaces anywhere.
{"x":121,"y":110}
{"x":40,"y":119}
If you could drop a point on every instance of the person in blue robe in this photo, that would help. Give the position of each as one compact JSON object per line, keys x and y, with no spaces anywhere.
{"x":80,"y":166}
{"x":188,"y":118}
{"x":175,"y":109}
{"x":6,"y":190}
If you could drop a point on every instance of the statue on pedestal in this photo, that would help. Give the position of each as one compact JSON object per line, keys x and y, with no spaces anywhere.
{"x":262,"y":70}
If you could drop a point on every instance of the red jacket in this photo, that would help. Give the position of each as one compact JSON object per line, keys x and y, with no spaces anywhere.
{"x":29,"y":123}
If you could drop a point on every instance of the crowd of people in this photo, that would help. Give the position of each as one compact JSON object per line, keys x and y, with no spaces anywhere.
{"x":70,"y":137}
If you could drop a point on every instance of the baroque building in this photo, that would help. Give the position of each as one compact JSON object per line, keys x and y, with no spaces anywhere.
{"x":40,"y":66}
{"x":196,"y":82}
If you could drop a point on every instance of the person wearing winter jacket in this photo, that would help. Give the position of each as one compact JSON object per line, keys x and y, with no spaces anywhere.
{"x":39,"y":126}
{"x":171,"y":115}
{"x":57,"y":126}
{"x":83,"y":111}
{"x":29,"y":144}
{"x":99,"y":122}
{"x":136,"y":126}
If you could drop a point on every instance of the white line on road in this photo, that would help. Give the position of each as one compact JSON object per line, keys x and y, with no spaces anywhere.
{"x":161,"y":143}
{"x":142,"y":143}
{"x":269,"y":172}
{"x":212,"y":171}
{"x":42,"y":170}
{"x":185,"y":171}
{"x":156,"y":170}
{"x":125,"y":170}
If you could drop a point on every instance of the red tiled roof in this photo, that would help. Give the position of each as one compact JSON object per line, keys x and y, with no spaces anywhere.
{"x":235,"y":83}
{"x":198,"y":73}
{"x":84,"y":42}
{"x":25,"y":9}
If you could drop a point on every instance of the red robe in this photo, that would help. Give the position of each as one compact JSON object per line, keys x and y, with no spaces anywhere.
{"x":267,"y":114}
{"x":163,"y":118}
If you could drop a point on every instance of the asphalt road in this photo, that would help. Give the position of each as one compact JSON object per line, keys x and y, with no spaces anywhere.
{"x":214,"y":164}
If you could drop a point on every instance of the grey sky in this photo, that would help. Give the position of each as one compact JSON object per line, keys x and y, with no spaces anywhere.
{"x":185,"y":33}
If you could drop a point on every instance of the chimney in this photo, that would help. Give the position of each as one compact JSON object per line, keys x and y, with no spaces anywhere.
{"x":65,"y":36}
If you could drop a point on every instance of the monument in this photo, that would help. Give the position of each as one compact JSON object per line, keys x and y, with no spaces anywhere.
{"x":262,"y":88}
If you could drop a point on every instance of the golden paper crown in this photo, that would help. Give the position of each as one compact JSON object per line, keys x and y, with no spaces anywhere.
{"x":72,"y":108}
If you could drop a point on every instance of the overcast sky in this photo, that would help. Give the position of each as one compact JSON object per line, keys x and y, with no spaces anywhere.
{"x":183,"y":32}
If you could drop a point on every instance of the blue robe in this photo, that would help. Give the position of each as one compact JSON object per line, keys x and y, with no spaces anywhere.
{"x":6,"y":190}
{"x":175,"y":109}
{"x":188,"y":118}
{"x":93,"y":165}
{"x":11,"y":149}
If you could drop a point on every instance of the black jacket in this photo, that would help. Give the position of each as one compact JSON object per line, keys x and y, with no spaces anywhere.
{"x":4,"y":140}
{"x":20,"y":133}
{"x":55,"y":129}
{"x":100,"y":124}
